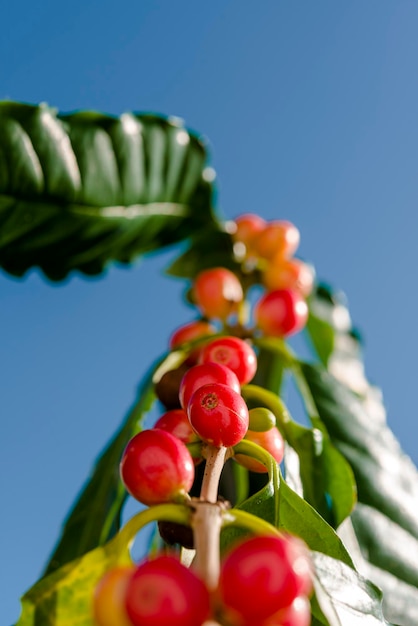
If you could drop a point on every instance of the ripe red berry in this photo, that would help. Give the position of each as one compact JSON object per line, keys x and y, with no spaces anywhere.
{"x":281,"y":313}
{"x":218,"y":414}
{"x":204,"y":374}
{"x":156,"y":467}
{"x":217,"y":292}
{"x":271,"y":440}
{"x":191,"y":332}
{"x":297,"y":614}
{"x":289,"y":274}
{"x":177,"y":423}
{"x":278,"y":238}
{"x":248,"y":226}
{"x":164,"y":592}
{"x":263,"y":575}
{"x":234,"y":353}
{"x":109,"y":597}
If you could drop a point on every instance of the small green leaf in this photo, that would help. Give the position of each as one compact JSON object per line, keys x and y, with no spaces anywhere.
{"x":300,"y":518}
{"x":95,"y":516}
{"x":78,"y":191}
{"x":328,"y":482}
{"x":287,"y":511}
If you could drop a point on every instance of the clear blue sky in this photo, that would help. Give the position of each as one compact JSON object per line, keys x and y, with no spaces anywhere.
{"x":310,"y":109}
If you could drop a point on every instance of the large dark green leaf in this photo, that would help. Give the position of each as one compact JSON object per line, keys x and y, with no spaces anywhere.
{"x":80,"y":190}
{"x":95,"y":516}
{"x":387,"y":480}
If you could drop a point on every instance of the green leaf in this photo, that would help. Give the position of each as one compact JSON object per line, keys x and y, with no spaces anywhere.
{"x":328,"y":482}
{"x":80,"y":190}
{"x":386,"y":478}
{"x":345,"y":597}
{"x":385,"y":521}
{"x":95,"y":516}
{"x":64,"y":598}
{"x":285,"y":510}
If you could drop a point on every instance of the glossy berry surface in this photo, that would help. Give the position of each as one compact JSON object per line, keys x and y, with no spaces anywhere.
{"x":109,"y":597}
{"x":218,"y":293}
{"x":289,"y":274}
{"x":281,"y":313}
{"x":234,"y":353}
{"x":204,"y":374}
{"x":248,"y":226}
{"x":262,"y":576}
{"x":191,"y":332}
{"x":156,"y":467}
{"x":162,"y":592}
{"x":218,"y":414}
{"x":177,"y":423}
{"x":297,"y":614}
{"x":271,"y":440}
{"x":278,"y":238}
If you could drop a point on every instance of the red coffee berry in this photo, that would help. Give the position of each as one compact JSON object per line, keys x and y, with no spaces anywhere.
{"x":297,"y":614}
{"x":204,"y":374}
{"x":156,"y":467}
{"x":263,"y":575}
{"x":217,"y":292}
{"x":271,"y":440}
{"x":191,"y":332}
{"x":163,"y":592}
{"x":109,"y":597}
{"x":280,"y":313}
{"x":278,"y":238}
{"x":248,"y":226}
{"x":234,"y":353}
{"x":289,"y":274}
{"x":177,"y":423}
{"x":218,"y":414}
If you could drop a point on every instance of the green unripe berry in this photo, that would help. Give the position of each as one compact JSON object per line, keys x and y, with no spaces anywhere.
{"x":261,"y":419}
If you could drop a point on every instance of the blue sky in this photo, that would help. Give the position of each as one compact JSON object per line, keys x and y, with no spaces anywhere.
{"x":310,"y":110}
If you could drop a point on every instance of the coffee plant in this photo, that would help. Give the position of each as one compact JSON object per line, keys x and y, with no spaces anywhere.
{"x":257,"y":519}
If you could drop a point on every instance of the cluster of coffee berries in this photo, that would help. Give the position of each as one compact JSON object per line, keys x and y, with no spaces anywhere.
{"x":266,"y":249}
{"x":270,"y":246}
{"x":264,"y":580}
{"x":156,"y":465}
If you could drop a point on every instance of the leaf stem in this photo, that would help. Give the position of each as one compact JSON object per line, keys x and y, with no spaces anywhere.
{"x":257,"y":525}
{"x":179,"y":513}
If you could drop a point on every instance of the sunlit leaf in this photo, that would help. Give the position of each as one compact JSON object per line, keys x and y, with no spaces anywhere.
{"x":64,"y":598}
{"x":344,"y":597}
